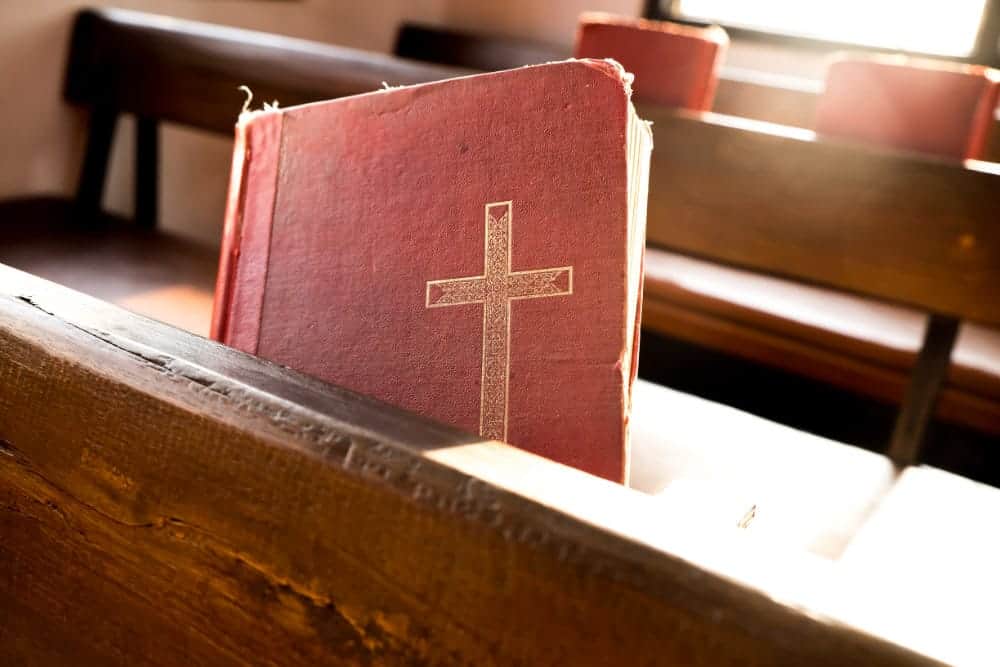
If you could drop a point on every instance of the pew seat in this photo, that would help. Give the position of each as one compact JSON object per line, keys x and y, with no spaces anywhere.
{"x":851,"y":341}
{"x":711,"y":464}
{"x":932,"y":540}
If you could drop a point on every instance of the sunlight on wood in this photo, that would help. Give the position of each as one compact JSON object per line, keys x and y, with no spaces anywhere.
{"x":183,"y":306}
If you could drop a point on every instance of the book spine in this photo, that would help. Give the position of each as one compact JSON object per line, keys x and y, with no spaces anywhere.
{"x":246,"y":246}
{"x":229,"y":255}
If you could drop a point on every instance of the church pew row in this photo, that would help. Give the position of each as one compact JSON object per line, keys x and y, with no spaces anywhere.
{"x":162,"y":69}
{"x":181,"y":72}
{"x":167,"y":500}
{"x":133,"y":252}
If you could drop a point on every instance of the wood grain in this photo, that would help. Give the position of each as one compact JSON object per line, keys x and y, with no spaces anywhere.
{"x":165,"y":500}
{"x":897,"y":227}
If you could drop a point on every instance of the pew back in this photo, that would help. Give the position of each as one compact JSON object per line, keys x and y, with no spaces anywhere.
{"x":188,"y":72}
{"x":897,"y":227}
{"x":165,"y":69}
{"x":167,"y":500}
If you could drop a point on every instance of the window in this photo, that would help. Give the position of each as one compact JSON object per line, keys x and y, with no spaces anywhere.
{"x":945,"y":28}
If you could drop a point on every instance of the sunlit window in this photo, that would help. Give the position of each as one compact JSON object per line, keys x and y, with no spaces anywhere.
{"x":945,"y":28}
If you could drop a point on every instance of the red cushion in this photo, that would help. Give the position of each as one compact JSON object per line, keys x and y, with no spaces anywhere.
{"x":918,"y":105}
{"x":674,"y":65}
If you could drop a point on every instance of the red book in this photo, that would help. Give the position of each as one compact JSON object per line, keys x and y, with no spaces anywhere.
{"x":927,"y":106}
{"x":674,"y":65}
{"x":468,"y":249}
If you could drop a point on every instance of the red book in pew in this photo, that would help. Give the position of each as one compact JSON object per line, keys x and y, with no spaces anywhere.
{"x":910,"y":104}
{"x":674,"y":65}
{"x":468,"y":249}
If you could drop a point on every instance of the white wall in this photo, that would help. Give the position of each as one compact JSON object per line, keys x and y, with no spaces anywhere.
{"x":42,"y":137}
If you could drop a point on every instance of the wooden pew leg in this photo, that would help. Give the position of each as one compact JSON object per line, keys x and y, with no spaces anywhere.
{"x":147,"y":156}
{"x":921,"y":394}
{"x":90,"y":189}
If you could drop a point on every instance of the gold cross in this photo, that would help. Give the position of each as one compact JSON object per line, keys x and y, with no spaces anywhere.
{"x":495,"y":289}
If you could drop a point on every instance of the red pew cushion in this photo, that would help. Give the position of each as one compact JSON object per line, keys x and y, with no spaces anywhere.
{"x":908,"y":104}
{"x":674,"y":65}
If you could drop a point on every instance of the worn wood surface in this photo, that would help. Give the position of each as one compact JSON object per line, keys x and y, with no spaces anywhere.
{"x":904,"y":229}
{"x":165,"y":500}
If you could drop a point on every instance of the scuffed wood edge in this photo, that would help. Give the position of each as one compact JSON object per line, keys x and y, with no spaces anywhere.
{"x":625,"y":599}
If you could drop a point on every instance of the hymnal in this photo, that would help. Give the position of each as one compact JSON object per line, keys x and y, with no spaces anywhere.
{"x":469,"y":249}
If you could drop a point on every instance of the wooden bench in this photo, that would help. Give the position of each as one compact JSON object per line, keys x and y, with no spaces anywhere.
{"x":778,"y":202}
{"x":168,"y":500}
{"x":186,"y":73}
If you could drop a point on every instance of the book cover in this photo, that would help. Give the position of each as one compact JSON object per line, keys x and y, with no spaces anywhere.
{"x":913,"y":104}
{"x":674,"y":65}
{"x":468,"y":249}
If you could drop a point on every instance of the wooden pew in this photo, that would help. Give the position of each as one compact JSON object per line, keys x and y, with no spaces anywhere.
{"x":898,"y":228}
{"x":189,"y":504}
{"x":165,"y":70}
{"x":167,"y":500}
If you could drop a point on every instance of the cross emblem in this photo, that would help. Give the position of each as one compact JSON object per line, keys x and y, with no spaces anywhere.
{"x":495,"y":289}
